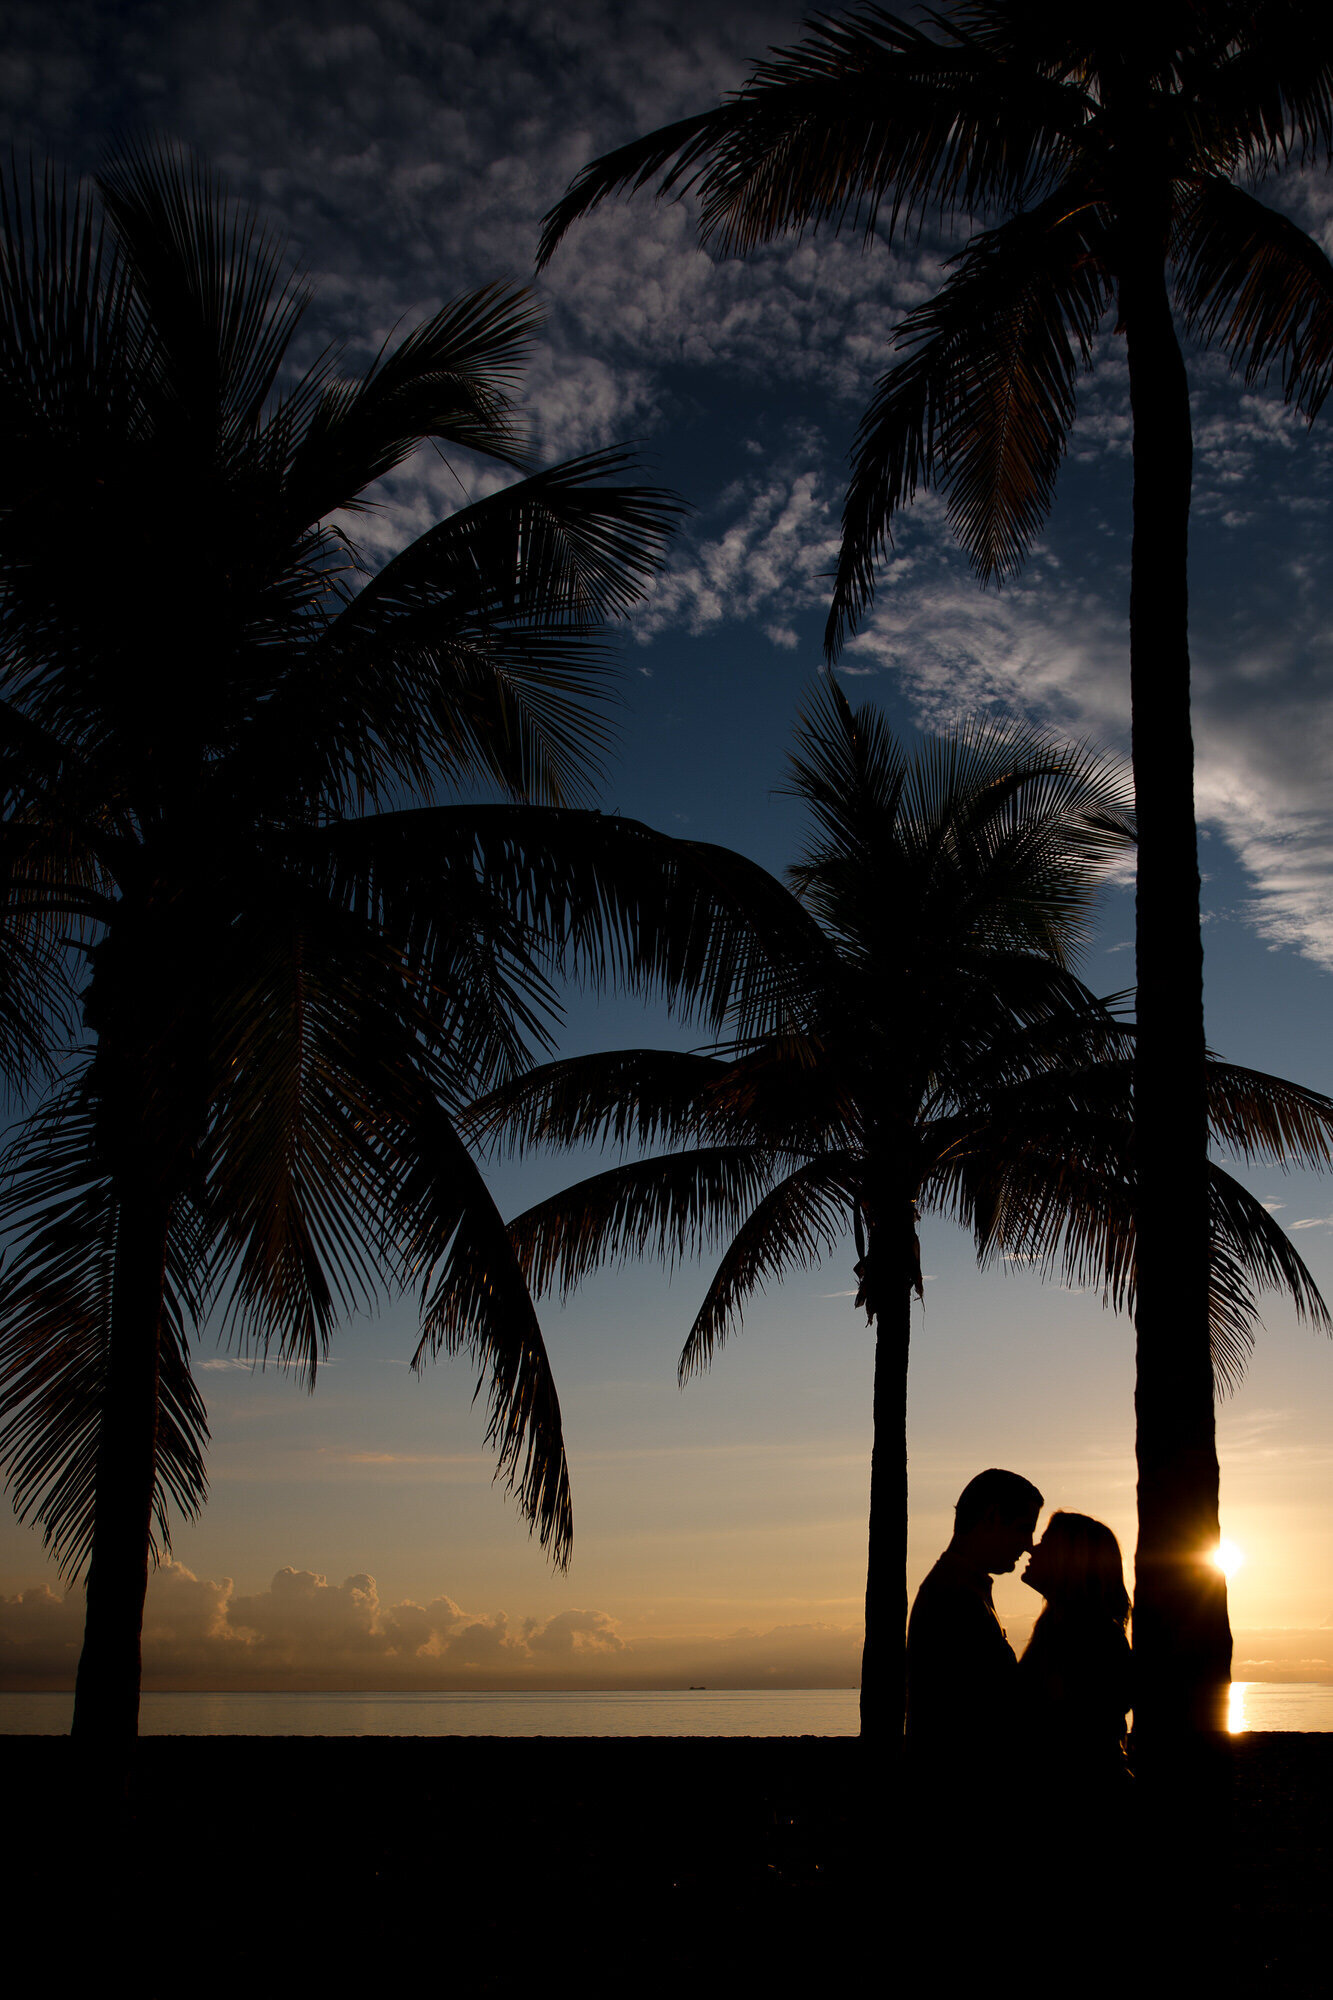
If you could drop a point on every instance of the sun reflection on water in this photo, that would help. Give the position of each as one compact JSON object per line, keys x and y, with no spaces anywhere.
{"x":1236,"y":1722}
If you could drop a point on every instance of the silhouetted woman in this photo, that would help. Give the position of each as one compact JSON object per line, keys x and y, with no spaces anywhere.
{"x":1075,"y":1673}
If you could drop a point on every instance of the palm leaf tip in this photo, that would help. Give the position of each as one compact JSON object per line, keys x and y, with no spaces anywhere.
{"x":475,"y":1300}
{"x":632,"y":167}
{"x":793,"y":1226}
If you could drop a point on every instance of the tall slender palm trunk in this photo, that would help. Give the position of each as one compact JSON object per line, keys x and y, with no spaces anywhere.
{"x":106,"y":1700}
{"x":1182,"y":1638}
{"x":884,"y":1659}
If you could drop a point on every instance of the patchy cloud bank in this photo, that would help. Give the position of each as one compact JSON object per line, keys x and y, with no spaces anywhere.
{"x":304,"y":1632}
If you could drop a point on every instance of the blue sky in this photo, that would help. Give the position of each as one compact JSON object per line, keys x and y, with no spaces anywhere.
{"x":407,"y":152}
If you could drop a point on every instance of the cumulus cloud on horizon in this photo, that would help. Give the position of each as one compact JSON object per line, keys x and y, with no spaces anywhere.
{"x":305,"y":1632}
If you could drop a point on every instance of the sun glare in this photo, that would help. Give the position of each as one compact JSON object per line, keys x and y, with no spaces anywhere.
{"x":1236,"y":1722}
{"x":1228,"y":1558}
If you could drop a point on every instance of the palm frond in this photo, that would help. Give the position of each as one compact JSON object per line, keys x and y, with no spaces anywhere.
{"x":295,"y":1177}
{"x":1261,"y":1117}
{"x":475,"y":1301}
{"x":46,"y":897}
{"x":795,"y":1225}
{"x":66,"y":346}
{"x":211,"y":285}
{"x":849,"y":769}
{"x":669,"y":1207}
{"x":867,"y":114}
{"x":870,"y":119}
{"x":675,"y":152}
{"x":1269,"y":91}
{"x":1062,"y":1195}
{"x":1250,"y":1252}
{"x":55,"y":1322}
{"x":1255,"y":282}
{"x":983,"y":401}
{"x":452,"y":378}
{"x":626,"y":1097}
{"x":991,"y":840}
{"x":477,"y":654}
{"x":595,"y":896}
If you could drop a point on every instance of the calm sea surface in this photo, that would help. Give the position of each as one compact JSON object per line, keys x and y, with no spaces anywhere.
{"x":700,"y":1712}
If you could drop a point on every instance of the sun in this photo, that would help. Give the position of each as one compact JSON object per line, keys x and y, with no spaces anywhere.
{"x":1228,"y":1558}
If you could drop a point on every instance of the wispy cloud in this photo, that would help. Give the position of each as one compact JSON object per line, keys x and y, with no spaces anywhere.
{"x":773,"y":541}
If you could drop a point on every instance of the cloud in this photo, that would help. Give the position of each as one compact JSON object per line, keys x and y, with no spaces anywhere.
{"x":1053,"y":646}
{"x":303,"y":1631}
{"x":574,"y":1632}
{"x":1289,"y":1653}
{"x":409,"y":151}
{"x":776,"y":544}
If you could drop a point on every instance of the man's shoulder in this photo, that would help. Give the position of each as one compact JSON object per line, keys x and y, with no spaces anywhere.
{"x":948,"y":1583}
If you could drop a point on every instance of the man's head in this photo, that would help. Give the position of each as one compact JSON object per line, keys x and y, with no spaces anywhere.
{"x":996,"y":1519}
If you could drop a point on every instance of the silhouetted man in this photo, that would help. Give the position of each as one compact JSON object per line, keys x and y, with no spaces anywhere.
{"x":961,"y":1670}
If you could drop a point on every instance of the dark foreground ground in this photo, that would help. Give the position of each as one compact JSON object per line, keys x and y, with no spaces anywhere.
{"x":259,"y":1867}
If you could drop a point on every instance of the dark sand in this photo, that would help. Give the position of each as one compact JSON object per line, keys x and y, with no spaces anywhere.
{"x":691,"y":1866}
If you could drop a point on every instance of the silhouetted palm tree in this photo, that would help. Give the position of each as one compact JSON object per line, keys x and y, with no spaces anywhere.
{"x":221,"y":740}
{"x":924,"y":1045}
{"x":1119,"y":143}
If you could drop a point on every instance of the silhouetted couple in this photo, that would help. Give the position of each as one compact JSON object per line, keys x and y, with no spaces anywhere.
{"x":1047,"y":1729}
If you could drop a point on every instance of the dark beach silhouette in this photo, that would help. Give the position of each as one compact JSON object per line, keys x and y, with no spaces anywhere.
{"x":674,"y":1866}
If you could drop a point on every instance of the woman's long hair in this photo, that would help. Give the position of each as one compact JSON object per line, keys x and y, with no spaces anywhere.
{"x":1085,"y":1570}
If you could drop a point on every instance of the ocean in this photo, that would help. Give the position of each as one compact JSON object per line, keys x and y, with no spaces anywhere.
{"x":1260,"y":1705}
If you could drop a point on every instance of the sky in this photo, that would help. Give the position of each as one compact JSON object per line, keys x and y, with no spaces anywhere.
{"x":354,"y":1537}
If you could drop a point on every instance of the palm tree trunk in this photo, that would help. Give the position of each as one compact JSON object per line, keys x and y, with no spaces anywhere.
{"x":1182,"y":1638}
{"x":884,"y":1658}
{"x":106,"y":1700}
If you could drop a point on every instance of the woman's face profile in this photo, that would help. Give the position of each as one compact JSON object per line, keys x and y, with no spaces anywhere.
{"x":1037,"y":1573}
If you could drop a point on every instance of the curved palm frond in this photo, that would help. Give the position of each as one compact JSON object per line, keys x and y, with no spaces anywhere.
{"x":452,"y":378}
{"x":670,"y":1207}
{"x":686,"y":143}
{"x":795,"y":1225}
{"x":295,"y":1181}
{"x":55,"y":1321}
{"x":592,"y":895}
{"x":474,"y":655}
{"x":1250,"y":1252}
{"x":217,"y":309}
{"x":628,"y":1097}
{"x":67,"y":347}
{"x":866,"y":113}
{"x":1254,"y":281}
{"x":1261,"y":1117}
{"x":47,"y":894}
{"x":995,"y":837}
{"x":983,"y":401}
{"x":1051,"y":1184}
{"x":1270,"y":83}
{"x":475,"y":1301}
{"x":869,"y":112}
